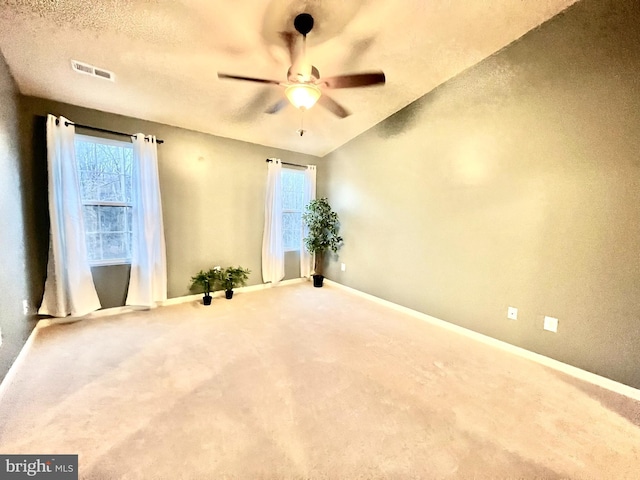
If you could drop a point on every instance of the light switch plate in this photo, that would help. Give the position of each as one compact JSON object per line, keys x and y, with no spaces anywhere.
{"x":512,"y":313}
{"x":551,"y":324}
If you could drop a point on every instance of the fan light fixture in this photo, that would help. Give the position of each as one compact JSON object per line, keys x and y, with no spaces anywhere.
{"x":303,"y":85}
{"x":303,"y":95}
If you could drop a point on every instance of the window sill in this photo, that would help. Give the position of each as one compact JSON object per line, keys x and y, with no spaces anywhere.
{"x":110,"y":263}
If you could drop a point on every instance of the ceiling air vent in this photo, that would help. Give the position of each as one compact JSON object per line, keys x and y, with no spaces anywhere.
{"x":98,"y":72}
{"x":81,"y":67}
{"x":87,"y":69}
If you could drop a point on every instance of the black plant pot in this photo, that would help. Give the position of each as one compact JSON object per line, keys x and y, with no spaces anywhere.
{"x":228,"y":294}
{"x":317,"y":280}
{"x":206,"y":299}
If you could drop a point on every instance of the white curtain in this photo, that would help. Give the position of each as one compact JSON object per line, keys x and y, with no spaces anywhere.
{"x":148,"y":281}
{"x":69,"y":287}
{"x":272,"y":245}
{"x":306,"y":259}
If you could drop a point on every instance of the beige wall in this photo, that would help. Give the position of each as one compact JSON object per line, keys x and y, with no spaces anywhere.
{"x":212,"y":190}
{"x":14,"y":326}
{"x":517,"y":183}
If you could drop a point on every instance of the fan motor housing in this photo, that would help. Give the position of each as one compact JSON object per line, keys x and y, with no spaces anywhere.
{"x":293,"y":76}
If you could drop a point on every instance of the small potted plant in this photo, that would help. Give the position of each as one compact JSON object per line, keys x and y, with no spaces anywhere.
{"x":232,"y":277}
{"x":204,"y":281}
{"x":323,"y":235}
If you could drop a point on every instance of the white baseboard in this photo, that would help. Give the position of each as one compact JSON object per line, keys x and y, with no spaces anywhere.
{"x":220,"y":293}
{"x":106,"y":312}
{"x":576,"y":372}
{"x":13,"y":369}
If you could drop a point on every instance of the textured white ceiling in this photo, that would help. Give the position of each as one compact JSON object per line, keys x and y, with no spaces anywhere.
{"x":166,"y":55}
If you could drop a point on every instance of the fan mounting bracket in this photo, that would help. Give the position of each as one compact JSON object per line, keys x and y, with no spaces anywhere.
{"x":303,"y":23}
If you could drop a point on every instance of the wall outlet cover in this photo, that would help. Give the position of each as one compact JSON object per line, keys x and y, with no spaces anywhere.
{"x":512,"y":313}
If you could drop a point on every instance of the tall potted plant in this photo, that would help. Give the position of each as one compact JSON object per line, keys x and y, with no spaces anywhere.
{"x":323,"y":235}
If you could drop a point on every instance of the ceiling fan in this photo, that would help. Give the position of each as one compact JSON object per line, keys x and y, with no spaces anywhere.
{"x":304,"y":86}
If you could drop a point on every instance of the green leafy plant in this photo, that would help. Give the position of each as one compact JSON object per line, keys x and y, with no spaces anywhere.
{"x":233,"y":277}
{"x":204,"y":281}
{"x":324,"y":227}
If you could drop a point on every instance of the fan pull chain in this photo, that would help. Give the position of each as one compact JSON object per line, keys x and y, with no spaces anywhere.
{"x":301,"y":131}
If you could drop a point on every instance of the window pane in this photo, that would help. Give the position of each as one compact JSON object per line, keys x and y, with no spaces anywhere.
{"x":127,"y":189}
{"x":111,"y":188}
{"x":127,"y":154}
{"x":94,"y":246}
{"x":293,"y":204}
{"x":85,"y":156}
{"x":291,"y":230}
{"x":129,"y":219}
{"x":292,"y":190}
{"x":299,"y":192}
{"x":104,"y":168}
{"x":89,"y":182}
{"x":111,"y":158}
{"x":113,"y":219}
{"x":90,"y":215}
{"x":127,"y":171}
{"x":114,"y":246}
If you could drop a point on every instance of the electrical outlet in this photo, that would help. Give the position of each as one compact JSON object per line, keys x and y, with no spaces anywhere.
{"x":551,"y":324}
{"x":343,"y":267}
{"x":512,"y":313}
{"x":25,"y":307}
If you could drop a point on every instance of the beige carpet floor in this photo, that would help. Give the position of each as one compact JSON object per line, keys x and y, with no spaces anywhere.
{"x":303,"y":383}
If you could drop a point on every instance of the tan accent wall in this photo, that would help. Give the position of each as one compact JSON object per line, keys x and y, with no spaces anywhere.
{"x":517,"y":183}
{"x":212,"y":188}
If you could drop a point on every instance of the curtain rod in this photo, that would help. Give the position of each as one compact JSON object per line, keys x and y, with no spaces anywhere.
{"x":88,"y":127}
{"x":287,"y":163}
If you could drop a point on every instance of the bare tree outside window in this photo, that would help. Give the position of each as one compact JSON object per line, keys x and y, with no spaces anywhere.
{"x":292,"y":207}
{"x":105,"y":168}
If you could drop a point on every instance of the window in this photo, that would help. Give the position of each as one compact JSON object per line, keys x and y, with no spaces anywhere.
{"x":292,"y":208}
{"x":104,"y":168}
